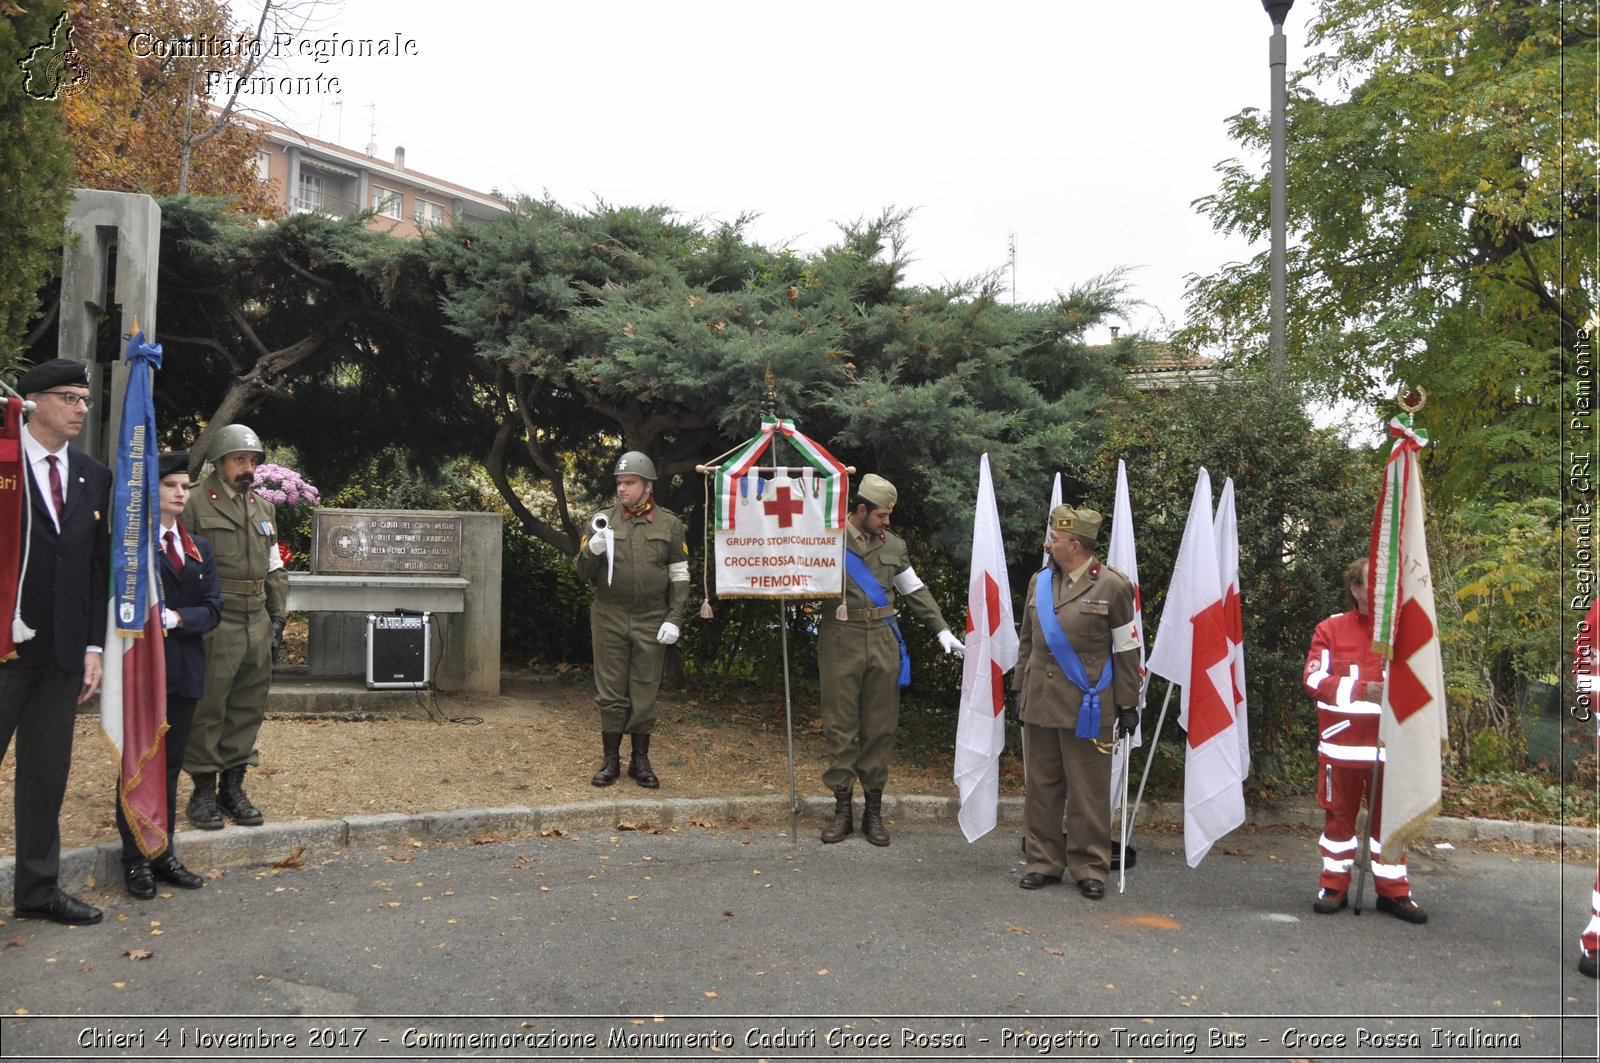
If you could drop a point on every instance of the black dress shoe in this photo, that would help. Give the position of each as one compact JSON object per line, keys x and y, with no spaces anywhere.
{"x":140,"y":881}
{"x":1092,"y":888}
{"x":1035,"y":881}
{"x":168,"y":870}
{"x":63,"y":909}
{"x":1589,"y":965}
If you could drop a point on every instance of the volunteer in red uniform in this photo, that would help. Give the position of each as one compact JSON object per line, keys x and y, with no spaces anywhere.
{"x":1344,"y":675}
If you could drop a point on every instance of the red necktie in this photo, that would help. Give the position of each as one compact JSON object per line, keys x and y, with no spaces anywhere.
{"x":172,"y":552}
{"x":56,"y":494}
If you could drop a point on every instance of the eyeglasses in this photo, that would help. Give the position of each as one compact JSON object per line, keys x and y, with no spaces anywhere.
{"x":72,"y":399}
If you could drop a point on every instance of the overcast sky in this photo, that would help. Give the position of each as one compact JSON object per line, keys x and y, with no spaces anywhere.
{"x":1083,"y":129}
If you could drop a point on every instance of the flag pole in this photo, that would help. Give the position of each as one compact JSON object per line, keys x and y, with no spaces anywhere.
{"x":1150,"y":757}
{"x":788,"y":725}
{"x":1364,"y":854}
{"x":1122,"y":864}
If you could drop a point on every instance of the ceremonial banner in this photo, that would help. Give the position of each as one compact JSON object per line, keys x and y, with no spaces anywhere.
{"x":779,"y":532}
{"x":1191,"y":650}
{"x":133,"y":692}
{"x":991,"y":653}
{"x":13,"y":504}
{"x":1122,"y":555}
{"x":1405,"y":630}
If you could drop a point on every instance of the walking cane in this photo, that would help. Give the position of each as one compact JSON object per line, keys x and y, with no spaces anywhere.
{"x":1364,"y":852}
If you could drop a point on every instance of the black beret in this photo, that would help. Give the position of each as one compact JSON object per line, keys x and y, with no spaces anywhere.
{"x":53,"y":374}
{"x":174,"y":461}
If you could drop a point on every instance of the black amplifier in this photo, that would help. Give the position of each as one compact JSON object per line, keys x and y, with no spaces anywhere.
{"x":398,"y":651}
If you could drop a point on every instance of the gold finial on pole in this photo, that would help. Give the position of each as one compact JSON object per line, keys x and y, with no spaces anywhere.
{"x":1412,"y":399}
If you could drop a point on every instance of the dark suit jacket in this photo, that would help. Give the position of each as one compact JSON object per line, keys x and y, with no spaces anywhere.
{"x":196,"y":596}
{"x":68,"y":580}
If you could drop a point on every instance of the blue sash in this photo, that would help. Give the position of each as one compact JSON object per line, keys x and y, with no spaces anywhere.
{"x":856,"y":566}
{"x":1044,"y":605}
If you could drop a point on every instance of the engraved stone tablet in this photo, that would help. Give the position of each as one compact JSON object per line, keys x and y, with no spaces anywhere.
{"x":385,"y":541}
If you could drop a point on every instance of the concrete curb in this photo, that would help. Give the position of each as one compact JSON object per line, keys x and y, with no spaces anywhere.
{"x":100,"y":866}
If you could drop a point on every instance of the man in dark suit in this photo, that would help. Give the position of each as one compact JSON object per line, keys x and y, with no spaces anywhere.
{"x":63,"y":591}
{"x":191,"y":606}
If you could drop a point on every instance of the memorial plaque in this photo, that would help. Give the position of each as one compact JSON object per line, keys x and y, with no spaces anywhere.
{"x":381,"y":541}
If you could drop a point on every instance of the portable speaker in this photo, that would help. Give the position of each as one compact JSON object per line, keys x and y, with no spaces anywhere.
{"x":397,"y":651}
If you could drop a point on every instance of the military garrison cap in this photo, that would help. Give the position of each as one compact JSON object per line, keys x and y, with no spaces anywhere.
{"x":1084,"y":522}
{"x":877,"y":490}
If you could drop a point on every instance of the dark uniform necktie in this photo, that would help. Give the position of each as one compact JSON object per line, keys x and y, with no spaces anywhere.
{"x":172,"y":552}
{"x":57,"y":496}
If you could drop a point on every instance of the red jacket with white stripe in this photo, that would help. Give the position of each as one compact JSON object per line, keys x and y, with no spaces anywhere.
{"x":1341,"y":658}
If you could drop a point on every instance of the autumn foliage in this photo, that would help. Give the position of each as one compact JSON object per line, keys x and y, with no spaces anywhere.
{"x":134,"y":115}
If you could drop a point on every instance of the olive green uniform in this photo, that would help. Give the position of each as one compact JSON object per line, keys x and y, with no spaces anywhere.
{"x":1063,"y":769}
{"x":239,"y":648}
{"x":649,"y":585}
{"x":859,"y":664}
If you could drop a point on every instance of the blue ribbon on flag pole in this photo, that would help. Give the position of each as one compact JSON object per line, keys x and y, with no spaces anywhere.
{"x":856,"y":566}
{"x":135,"y":502}
{"x":1044,"y":604}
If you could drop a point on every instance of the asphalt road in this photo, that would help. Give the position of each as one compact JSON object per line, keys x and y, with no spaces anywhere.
{"x":723,"y":944}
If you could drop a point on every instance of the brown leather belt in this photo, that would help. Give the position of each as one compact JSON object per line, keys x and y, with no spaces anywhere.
{"x":243,"y":586}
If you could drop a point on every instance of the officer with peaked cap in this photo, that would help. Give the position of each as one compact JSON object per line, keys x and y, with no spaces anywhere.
{"x":1078,"y":677}
{"x":191,"y":606}
{"x":637,"y":556}
{"x":58,"y":625}
{"x":862,"y":660}
{"x":243,"y":530}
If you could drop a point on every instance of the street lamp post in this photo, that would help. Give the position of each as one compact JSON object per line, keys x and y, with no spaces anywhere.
{"x":1278,"y":60}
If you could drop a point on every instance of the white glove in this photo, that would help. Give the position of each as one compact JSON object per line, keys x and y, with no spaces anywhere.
{"x":169,"y":619}
{"x":668,"y":634}
{"x":597,"y":544}
{"x":951,"y":644}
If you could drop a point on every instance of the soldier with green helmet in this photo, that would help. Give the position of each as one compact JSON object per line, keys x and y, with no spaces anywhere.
{"x":637,"y":556}
{"x":862,"y":661}
{"x":243,"y":530}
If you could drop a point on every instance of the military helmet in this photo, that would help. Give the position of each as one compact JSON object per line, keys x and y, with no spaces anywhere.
{"x":634,"y":463}
{"x":235,"y":437}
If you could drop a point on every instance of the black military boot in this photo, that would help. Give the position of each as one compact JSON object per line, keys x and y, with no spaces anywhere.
{"x":234,"y":801}
{"x":203,"y":812}
{"x":639,"y":769}
{"x":872,"y":819}
{"x":842,"y":825}
{"x":611,"y":762}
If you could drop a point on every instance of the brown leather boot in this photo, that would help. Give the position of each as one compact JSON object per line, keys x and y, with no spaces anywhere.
{"x":842,"y":824}
{"x":611,"y":761}
{"x":203,"y":811}
{"x":872,"y":819}
{"x":639,"y":769}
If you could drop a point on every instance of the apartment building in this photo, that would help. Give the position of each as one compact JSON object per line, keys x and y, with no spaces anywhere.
{"x":307,"y":174}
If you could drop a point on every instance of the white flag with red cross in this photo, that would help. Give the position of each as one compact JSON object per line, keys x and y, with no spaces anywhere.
{"x":1191,"y":649}
{"x":1405,"y":630}
{"x":991,"y":653}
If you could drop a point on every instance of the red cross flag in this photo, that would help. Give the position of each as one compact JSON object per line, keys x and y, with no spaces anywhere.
{"x":778,"y":531}
{"x":1191,"y":650}
{"x":991,"y":653}
{"x":1406,"y":631}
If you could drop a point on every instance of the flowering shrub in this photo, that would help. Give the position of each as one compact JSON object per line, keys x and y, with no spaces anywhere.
{"x":293,"y":497}
{"x":282,"y":486}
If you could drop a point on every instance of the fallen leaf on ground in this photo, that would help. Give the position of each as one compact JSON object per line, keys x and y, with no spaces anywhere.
{"x":294,"y":860}
{"x":138,"y":954}
{"x":487,"y":839}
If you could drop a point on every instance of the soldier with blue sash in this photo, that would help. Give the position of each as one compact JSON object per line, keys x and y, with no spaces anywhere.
{"x":1078,"y":679}
{"x":861,"y":655}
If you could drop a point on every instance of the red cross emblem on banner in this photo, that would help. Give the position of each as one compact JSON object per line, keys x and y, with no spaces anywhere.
{"x":785,"y":506}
